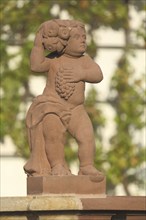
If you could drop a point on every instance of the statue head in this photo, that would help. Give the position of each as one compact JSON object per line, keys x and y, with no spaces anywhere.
{"x":64,"y":36}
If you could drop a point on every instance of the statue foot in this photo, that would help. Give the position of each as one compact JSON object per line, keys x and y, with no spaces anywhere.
{"x":95,"y":175}
{"x":60,"y":170}
{"x":36,"y":174}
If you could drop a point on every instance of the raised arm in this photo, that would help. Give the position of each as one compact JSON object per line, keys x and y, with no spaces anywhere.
{"x":38,"y":61}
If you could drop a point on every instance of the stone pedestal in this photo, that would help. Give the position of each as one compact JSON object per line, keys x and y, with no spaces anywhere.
{"x":65,"y":185}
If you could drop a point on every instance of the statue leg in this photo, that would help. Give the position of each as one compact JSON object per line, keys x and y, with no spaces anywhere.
{"x":81,"y":128}
{"x":54,"y":136}
{"x":38,"y":164}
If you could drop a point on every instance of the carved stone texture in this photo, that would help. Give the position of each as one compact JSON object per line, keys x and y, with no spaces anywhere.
{"x":66,"y":185}
{"x":64,"y":88}
{"x":61,"y":106}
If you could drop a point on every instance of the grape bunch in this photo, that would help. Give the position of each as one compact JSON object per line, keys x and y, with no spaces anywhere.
{"x":63,"y":88}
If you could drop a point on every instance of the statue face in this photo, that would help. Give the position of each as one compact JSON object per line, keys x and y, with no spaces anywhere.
{"x":76,"y":44}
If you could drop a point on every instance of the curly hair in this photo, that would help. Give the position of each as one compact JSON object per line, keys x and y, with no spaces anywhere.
{"x":56,"y":33}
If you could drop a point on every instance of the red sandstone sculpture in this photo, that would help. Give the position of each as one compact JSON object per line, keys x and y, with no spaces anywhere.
{"x":61,"y":106}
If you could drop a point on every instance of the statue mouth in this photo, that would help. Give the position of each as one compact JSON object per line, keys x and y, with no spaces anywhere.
{"x":83,"y":45}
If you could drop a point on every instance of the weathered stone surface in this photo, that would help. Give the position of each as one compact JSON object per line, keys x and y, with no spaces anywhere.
{"x":60,"y":217}
{"x":15,"y":203}
{"x":66,"y":185}
{"x":33,"y":203}
{"x":73,"y":208}
{"x":126,"y":203}
{"x":55,"y":203}
{"x":13,"y":218}
{"x":80,"y":202}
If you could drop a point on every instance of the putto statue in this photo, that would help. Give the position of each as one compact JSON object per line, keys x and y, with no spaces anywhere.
{"x":61,"y":106}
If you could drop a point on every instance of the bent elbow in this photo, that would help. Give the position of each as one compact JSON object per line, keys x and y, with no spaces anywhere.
{"x":100,"y":77}
{"x":99,"y":74}
{"x":35,"y":68}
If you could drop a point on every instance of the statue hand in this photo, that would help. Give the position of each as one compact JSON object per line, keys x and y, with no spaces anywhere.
{"x":72,"y":75}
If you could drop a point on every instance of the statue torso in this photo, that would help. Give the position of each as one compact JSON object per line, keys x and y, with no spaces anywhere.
{"x":70,"y":93}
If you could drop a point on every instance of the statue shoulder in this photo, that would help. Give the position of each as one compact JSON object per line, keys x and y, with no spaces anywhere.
{"x":87,"y":60}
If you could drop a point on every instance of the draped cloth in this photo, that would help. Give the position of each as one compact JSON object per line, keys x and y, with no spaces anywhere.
{"x":38,"y":164}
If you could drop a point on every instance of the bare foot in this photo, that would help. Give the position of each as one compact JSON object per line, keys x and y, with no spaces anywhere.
{"x":91,"y":171}
{"x":60,"y":170}
{"x":35,"y":174}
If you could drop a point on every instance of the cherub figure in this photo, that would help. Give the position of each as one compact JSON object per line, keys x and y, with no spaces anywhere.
{"x":61,"y":106}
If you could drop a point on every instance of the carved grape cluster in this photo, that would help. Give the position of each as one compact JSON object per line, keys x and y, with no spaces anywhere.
{"x":63,"y":88}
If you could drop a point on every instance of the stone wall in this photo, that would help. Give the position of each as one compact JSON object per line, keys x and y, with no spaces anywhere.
{"x":74,"y":207}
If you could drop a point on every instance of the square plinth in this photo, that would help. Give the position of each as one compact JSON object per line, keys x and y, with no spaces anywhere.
{"x":65,"y":185}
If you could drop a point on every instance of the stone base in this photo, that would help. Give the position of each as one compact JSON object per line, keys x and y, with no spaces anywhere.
{"x":61,"y":207}
{"x":65,"y":185}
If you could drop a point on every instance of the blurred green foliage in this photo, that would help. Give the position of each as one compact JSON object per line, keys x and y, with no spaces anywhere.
{"x":19,"y":20}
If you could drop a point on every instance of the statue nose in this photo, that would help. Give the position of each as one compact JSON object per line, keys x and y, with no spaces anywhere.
{"x":83,"y":40}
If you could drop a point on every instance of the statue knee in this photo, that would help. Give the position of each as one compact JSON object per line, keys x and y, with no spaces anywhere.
{"x":53,"y":129}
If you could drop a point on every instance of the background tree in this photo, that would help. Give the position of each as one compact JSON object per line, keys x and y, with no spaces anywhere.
{"x":19,"y":21}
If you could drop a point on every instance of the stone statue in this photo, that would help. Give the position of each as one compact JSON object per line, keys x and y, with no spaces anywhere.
{"x":61,"y":106}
